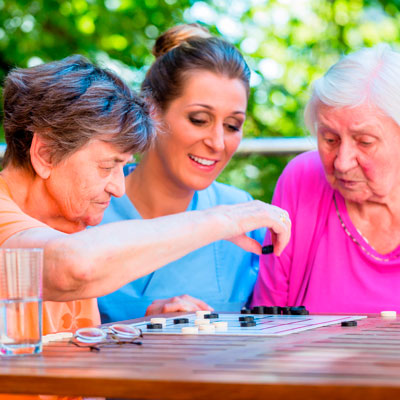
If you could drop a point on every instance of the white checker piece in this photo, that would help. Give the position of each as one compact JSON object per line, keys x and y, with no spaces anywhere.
{"x":388,"y":314}
{"x":267,"y":325}
{"x":201,"y":321}
{"x":207,"y":328}
{"x":161,"y":321}
{"x":202,"y":313}
{"x":221,"y":326}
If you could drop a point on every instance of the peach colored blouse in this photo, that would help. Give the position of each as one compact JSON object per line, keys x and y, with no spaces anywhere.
{"x":57,"y":316}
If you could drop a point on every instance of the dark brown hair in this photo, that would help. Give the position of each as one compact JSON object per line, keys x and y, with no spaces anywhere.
{"x":188,"y":48}
{"x":68,"y":103}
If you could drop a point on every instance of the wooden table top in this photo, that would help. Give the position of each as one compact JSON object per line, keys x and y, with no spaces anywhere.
{"x":333,"y":362}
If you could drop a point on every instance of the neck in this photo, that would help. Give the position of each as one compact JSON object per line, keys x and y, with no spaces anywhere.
{"x":386,"y":211}
{"x":29,"y":192}
{"x":378,"y":222}
{"x":153,"y":192}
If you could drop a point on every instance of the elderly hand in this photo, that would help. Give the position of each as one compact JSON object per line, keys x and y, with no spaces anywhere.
{"x":245,"y":217}
{"x":177,"y":303}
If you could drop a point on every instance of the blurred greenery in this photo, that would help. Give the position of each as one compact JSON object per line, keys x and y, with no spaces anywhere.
{"x":287,"y":43}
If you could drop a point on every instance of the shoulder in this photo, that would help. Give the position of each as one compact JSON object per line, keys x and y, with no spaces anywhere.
{"x":8,"y":205}
{"x":304,"y":173}
{"x":220,"y":193}
{"x":305,"y":165}
{"x":302,"y":183}
{"x":12,"y":219}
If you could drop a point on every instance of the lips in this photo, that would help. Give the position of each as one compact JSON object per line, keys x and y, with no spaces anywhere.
{"x":347,"y":183}
{"x":205,"y":162}
{"x":103,"y":203}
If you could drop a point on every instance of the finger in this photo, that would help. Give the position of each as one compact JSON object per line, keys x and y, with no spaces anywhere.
{"x":200,"y":303}
{"x":173,"y":307}
{"x":159,"y":301}
{"x":247,"y":243}
{"x":280,"y":215}
{"x":249,"y":216}
{"x":181,"y":306}
{"x":154,"y":309}
{"x":280,"y":229}
{"x":274,"y":241}
{"x":280,"y":240}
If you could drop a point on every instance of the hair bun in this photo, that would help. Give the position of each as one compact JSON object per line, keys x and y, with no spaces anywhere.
{"x":177,"y":35}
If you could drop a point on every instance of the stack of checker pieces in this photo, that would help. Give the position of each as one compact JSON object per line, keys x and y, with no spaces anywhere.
{"x":248,"y":321}
{"x":296,"y":310}
{"x":276,"y":310}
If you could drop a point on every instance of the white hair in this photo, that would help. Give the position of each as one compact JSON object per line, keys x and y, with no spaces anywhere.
{"x":369,"y":75}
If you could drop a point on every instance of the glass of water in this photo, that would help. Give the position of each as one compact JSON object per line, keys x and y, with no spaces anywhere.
{"x":20,"y":301}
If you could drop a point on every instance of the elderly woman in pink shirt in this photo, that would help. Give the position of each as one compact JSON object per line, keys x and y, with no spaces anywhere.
{"x":344,"y":200}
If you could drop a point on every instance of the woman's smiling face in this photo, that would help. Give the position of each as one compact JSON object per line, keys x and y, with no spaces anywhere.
{"x":202,"y":129}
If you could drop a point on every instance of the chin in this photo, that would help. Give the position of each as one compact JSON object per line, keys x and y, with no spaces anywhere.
{"x":355,"y":197}
{"x":201,"y":186}
{"x":93,"y":220}
{"x":201,"y":183}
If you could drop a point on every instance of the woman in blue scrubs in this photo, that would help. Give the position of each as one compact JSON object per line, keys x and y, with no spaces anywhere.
{"x":199,"y":85}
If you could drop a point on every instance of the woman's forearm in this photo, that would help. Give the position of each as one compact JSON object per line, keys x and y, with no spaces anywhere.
{"x":97,"y":261}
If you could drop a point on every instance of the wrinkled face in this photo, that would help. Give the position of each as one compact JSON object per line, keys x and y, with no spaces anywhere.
{"x":84,"y":182}
{"x":359,"y":148}
{"x":202,"y":130}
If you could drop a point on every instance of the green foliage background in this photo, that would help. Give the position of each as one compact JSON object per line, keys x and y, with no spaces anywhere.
{"x":287,"y":43}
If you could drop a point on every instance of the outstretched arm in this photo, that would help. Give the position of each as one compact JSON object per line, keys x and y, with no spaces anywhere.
{"x":98,"y":261}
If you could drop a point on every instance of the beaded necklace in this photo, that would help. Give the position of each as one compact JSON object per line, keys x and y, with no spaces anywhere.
{"x":375,"y":257}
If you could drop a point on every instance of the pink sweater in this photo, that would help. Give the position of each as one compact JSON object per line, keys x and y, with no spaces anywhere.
{"x":322,"y":268}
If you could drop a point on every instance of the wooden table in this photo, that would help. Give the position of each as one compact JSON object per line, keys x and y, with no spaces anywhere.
{"x":334,"y":362}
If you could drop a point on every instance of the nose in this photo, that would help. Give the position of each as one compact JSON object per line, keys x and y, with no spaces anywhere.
{"x":216,"y":138}
{"x":116,"y":184}
{"x":346,"y":157}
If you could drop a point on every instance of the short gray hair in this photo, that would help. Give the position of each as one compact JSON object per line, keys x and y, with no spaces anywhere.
{"x":68,"y":103}
{"x":368,"y":75}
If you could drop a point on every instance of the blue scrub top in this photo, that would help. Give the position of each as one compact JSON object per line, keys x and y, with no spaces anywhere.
{"x":221,"y":273}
